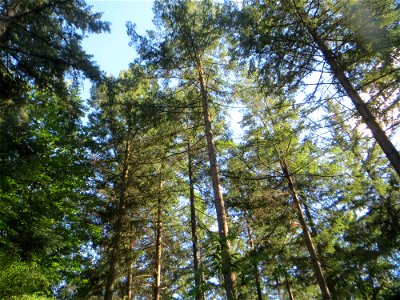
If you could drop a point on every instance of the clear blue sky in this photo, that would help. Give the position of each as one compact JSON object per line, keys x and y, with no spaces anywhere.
{"x":111,"y":50}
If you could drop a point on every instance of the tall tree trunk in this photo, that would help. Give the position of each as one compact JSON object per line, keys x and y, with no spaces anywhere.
{"x":130,"y":265}
{"x":130,"y":280}
{"x":256,"y":273}
{"x":289,"y":290}
{"x":157,"y":257}
{"x":228,"y":273}
{"x":340,"y":74}
{"x":329,"y":281}
{"x":326,"y":295}
{"x":278,"y":287}
{"x":193,"y":222}
{"x":116,"y":240}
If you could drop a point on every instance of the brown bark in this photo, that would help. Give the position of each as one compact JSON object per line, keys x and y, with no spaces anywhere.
{"x":326,"y":295}
{"x":157,"y":256}
{"x":130,"y":267}
{"x":228,"y":273}
{"x":313,"y":232}
{"x":195,"y":246}
{"x":288,"y":289}
{"x":340,"y":74}
{"x":130,"y":281}
{"x":109,"y":290}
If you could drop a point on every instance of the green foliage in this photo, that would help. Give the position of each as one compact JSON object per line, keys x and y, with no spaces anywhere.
{"x":40,"y":44}
{"x":77,"y":201}
{"x":22,"y":280}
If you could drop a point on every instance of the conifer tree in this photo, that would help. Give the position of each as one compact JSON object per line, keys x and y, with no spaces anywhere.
{"x":352,"y":44}
{"x":189,"y":36}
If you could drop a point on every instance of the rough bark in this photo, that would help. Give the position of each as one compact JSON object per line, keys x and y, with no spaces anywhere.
{"x":228,"y":273}
{"x":193,"y":223}
{"x":326,"y":295}
{"x":340,"y":74}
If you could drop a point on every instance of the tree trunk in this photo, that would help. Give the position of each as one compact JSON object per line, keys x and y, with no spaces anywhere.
{"x":329,"y":281}
{"x":229,"y":275}
{"x":130,"y":281}
{"x":307,"y":236}
{"x":278,"y":287}
{"x":289,"y":290}
{"x":116,"y":240}
{"x":130,"y":266}
{"x":256,"y":273}
{"x":340,"y":74}
{"x":157,"y":257}
{"x":196,"y":256}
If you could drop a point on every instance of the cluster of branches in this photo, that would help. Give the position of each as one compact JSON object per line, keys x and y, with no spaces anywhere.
{"x":152,"y":197}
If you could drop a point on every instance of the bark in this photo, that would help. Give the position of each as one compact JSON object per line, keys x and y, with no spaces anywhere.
{"x":130,"y":267}
{"x":228,"y":273}
{"x":289,"y":290}
{"x":195,"y":246}
{"x":116,"y":240}
{"x":340,"y":74}
{"x":157,"y":257}
{"x":329,"y":281}
{"x":130,"y":281}
{"x":326,"y":295}
{"x":256,"y":273}
{"x":278,"y":287}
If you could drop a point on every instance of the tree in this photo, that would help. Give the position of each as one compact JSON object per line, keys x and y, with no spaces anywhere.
{"x":362,"y":204}
{"x":44,"y":191}
{"x":119,"y":123}
{"x":293,"y":40}
{"x":274,"y":123}
{"x":40,"y":45}
{"x":190,"y":34}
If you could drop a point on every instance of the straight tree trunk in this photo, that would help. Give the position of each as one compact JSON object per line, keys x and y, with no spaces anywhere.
{"x":256,"y":273}
{"x":157,"y":257}
{"x":130,"y":281}
{"x":130,"y":266}
{"x":313,"y":232}
{"x":228,"y":273}
{"x":289,"y":290}
{"x":340,"y":74}
{"x":193,"y":223}
{"x":326,"y":295}
{"x":278,"y":287}
{"x":116,"y":240}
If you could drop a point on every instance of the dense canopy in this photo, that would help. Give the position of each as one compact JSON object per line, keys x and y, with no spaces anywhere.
{"x":144,"y":191}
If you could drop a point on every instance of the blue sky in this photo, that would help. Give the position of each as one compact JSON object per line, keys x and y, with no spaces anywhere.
{"x":111,"y":50}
